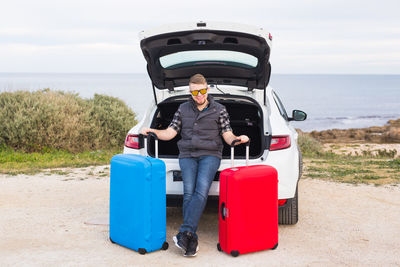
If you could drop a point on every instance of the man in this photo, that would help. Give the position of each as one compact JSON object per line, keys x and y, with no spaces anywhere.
{"x":201,"y":121}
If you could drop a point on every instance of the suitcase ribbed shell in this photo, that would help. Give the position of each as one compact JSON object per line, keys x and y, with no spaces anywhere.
{"x":137,"y":202}
{"x":248,"y":217}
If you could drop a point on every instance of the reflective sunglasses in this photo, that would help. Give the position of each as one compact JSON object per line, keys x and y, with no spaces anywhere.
{"x":196,"y":92}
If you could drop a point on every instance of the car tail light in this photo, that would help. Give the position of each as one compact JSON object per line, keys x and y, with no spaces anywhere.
{"x":280,"y":142}
{"x":132,"y":141}
{"x":282,"y":202}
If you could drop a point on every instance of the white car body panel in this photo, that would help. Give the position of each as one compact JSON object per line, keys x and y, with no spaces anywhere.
{"x":280,"y":159}
{"x":286,"y":161}
{"x":210,"y":25}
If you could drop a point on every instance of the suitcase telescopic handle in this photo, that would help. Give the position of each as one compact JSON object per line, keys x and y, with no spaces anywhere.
{"x":155,"y":140}
{"x":233,"y":151}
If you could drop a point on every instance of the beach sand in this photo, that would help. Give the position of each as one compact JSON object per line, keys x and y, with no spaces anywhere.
{"x":62,"y":219}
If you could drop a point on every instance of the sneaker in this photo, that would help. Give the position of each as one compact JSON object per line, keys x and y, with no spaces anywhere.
{"x":193,"y":247}
{"x":181,"y":240}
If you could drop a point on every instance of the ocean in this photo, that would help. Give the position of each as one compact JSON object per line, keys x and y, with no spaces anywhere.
{"x":330,"y":101}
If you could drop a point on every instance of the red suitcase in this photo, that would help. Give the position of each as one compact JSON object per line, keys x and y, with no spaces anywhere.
{"x":248,"y":208}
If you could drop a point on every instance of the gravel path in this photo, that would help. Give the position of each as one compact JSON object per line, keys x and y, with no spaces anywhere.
{"x":53,"y":219}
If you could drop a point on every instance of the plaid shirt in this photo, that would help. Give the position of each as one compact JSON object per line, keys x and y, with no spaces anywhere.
{"x":223,"y":121}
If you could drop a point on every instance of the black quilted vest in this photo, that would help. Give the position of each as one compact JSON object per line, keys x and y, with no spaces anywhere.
{"x":200,"y":130}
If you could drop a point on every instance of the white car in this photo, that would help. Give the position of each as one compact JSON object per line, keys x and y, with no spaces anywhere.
{"x":235,"y":61}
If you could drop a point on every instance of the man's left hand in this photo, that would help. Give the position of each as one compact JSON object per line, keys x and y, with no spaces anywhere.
{"x":243,"y":139}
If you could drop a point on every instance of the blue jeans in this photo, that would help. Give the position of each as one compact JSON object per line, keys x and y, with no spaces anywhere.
{"x":197,"y":175}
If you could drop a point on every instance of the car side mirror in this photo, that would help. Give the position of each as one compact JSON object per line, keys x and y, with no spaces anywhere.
{"x":298,"y":115}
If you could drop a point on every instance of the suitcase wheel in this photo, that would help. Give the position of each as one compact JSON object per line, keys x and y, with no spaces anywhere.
{"x":111,"y":240}
{"x":276,"y":245}
{"x":235,"y":253}
{"x":165,"y":246}
{"x":142,"y":251}
{"x":219,"y":247}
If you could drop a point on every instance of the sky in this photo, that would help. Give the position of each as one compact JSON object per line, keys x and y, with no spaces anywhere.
{"x":97,"y":36}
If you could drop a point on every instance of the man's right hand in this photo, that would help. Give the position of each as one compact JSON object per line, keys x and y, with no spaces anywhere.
{"x":145,"y":130}
{"x":165,"y":135}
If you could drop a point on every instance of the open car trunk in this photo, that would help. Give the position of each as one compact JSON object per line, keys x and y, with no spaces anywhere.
{"x":245,"y":116}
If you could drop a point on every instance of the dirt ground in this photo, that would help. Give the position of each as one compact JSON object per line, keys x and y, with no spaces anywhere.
{"x":53,"y":219}
{"x":361,"y":148}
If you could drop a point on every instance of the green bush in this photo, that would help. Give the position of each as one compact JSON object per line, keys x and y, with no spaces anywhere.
{"x":309,"y":145}
{"x":47,"y":120}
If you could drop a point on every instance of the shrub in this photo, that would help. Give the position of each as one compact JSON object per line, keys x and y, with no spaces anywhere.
{"x":46,"y":120}
{"x":309,"y":145}
{"x":111,"y":119}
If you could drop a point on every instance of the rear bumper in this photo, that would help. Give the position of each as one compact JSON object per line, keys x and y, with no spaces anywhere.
{"x":177,"y":200}
{"x":286,"y":162}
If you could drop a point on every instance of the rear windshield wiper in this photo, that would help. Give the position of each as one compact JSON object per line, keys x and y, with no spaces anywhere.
{"x":216,"y":86}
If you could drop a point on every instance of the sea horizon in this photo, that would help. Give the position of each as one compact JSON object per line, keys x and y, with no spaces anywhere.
{"x":332,"y":101}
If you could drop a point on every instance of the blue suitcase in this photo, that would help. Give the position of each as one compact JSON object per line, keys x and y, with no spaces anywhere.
{"x":138,"y":202}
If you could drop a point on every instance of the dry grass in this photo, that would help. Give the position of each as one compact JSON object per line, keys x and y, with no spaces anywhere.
{"x":353,"y":169}
{"x":350,"y":162}
{"x":15,"y":162}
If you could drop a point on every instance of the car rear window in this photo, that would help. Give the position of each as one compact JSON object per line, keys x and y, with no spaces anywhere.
{"x":208,"y":57}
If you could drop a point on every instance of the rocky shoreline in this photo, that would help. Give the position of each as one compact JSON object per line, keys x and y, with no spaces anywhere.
{"x":387,"y":134}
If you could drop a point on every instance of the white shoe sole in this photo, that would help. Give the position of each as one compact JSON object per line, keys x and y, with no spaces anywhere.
{"x":176,"y":244}
{"x":197,"y":249}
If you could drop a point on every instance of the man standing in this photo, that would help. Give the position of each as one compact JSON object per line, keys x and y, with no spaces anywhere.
{"x":201,"y":122}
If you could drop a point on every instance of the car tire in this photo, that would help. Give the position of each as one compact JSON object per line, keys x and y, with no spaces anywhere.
{"x":289,"y":214}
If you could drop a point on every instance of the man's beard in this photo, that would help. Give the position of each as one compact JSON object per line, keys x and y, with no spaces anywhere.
{"x":204,"y":101}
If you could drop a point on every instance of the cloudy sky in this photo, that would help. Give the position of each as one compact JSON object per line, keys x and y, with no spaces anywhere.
{"x":91,"y":36}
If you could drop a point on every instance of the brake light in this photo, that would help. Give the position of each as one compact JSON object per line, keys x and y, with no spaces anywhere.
{"x":280,"y":142}
{"x":282,"y":202}
{"x":132,"y":141}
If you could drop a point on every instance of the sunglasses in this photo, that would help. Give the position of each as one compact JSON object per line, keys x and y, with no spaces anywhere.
{"x":196,"y":92}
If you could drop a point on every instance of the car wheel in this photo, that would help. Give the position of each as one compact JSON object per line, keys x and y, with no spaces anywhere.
{"x":289,"y":214}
